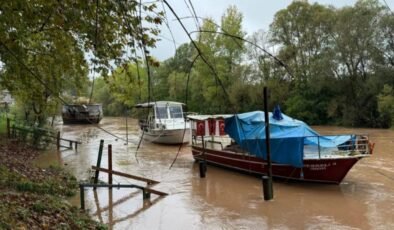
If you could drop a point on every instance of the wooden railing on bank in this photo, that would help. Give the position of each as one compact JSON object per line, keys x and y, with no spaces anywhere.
{"x":146,"y":190}
{"x":37,"y":134}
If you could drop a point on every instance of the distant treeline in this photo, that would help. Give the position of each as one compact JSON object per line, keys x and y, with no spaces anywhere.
{"x":323,"y":65}
{"x":332,"y":66}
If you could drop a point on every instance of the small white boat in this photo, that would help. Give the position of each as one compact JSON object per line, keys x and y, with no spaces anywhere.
{"x":164,"y":122}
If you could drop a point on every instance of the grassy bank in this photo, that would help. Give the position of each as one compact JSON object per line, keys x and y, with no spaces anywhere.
{"x":33,"y":197}
{"x":3,"y":124}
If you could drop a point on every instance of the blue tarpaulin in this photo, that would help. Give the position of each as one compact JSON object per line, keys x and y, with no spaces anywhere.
{"x":288,"y":137}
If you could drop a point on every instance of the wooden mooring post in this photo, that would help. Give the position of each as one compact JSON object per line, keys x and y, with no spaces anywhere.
{"x":110,"y":164}
{"x":203,"y":168}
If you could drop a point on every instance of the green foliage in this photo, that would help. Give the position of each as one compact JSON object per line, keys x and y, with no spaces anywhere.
{"x":386,"y":105}
{"x":20,"y":210}
{"x":336,"y":68}
{"x":3,"y":123}
{"x":124,"y":88}
{"x":46,"y":46}
{"x":337,"y":62}
{"x":62,"y":185}
{"x":210,"y":86}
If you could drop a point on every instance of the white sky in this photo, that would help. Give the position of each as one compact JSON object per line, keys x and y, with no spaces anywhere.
{"x":257,"y":15}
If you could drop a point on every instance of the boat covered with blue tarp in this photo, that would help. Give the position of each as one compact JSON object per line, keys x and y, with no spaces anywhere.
{"x":298,"y":152}
{"x":288,"y":136}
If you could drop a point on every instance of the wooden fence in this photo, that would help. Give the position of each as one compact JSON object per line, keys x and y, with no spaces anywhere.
{"x":39,"y":136}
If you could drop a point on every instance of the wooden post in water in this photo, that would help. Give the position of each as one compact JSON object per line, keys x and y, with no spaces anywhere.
{"x":145,"y":194}
{"x":110,"y":165}
{"x":82,"y":196}
{"x":127,"y":128}
{"x":58,"y":140}
{"x":100,"y":153}
{"x":202,"y":163}
{"x":202,"y":168}
{"x":267,"y":182}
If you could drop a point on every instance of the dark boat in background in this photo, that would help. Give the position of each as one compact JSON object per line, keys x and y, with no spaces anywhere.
{"x":82,"y":113}
{"x":297,"y":151}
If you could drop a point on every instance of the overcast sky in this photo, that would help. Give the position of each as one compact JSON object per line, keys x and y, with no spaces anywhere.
{"x":257,"y":15}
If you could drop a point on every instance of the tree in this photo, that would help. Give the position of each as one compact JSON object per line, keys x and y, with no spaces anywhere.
{"x":223,"y":51}
{"x":178,"y":66}
{"x":355,"y":33}
{"x":386,"y":105}
{"x":303,"y":33}
{"x":46,"y":46}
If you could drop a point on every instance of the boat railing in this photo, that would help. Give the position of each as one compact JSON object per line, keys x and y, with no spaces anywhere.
{"x":356,"y":145}
{"x":212,"y":143}
{"x":316,"y":147}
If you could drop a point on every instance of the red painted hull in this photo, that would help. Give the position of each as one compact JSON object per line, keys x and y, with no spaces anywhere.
{"x":329,"y":170}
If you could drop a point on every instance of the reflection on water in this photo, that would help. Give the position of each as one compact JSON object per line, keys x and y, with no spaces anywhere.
{"x":224,"y":199}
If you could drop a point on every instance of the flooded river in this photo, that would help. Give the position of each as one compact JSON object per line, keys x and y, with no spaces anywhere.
{"x":225,"y":199}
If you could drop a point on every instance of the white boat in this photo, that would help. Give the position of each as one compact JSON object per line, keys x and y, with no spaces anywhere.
{"x":164,"y":122}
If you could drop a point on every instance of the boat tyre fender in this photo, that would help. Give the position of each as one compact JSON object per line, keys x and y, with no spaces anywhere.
{"x":221,"y":128}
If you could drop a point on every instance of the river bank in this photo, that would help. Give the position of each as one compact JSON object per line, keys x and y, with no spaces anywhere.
{"x":33,"y":197}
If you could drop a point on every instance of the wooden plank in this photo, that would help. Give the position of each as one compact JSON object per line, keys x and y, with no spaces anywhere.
{"x":156,"y":192}
{"x":78,"y":142}
{"x":149,"y":181}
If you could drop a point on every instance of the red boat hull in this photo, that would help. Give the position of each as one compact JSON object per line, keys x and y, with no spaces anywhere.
{"x":328,"y":170}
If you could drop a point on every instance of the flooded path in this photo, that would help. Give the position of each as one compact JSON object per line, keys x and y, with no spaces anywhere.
{"x":226,"y":199}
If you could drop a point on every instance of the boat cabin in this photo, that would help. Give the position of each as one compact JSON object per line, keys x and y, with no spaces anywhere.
{"x":162,"y":115}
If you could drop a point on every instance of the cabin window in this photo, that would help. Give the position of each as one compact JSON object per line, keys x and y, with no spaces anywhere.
{"x":176,"y":112}
{"x":161,"y":113}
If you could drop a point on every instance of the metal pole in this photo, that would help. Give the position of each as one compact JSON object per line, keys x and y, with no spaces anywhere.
{"x":110,"y":164}
{"x":268,"y":195}
{"x":127,"y":129}
{"x":100,"y":153}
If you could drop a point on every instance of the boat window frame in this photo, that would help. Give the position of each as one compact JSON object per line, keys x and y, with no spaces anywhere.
{"x":179,"y":112}
{"x":159,"y":113}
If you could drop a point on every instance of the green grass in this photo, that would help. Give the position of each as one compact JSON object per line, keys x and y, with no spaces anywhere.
{"x":3,"y":124}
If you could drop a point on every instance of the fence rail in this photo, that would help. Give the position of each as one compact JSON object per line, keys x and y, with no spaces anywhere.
{"x":38,"y":135}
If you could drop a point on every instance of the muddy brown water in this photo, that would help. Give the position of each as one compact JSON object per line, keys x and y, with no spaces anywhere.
{"x":225,"y":199}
